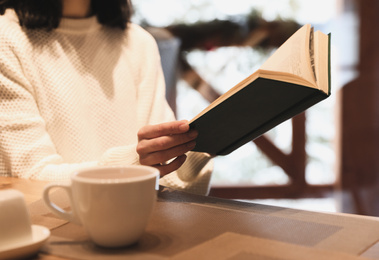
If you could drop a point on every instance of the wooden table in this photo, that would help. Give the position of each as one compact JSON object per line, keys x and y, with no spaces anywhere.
{"x":186,"y":226}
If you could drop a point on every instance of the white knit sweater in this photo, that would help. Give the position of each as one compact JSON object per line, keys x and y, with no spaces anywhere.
{"x":76,"y":96}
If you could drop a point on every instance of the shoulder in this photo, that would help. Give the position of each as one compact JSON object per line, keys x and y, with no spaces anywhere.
{"x":9,"y":17}
{"x":139,"y":33}
{"x":11,"y":33}
{"x":140,"y":47}
{"x":9,"y":24}
{"x":138,"y":38}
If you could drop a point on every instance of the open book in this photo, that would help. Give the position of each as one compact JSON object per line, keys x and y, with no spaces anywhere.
{"x":294,"y":78}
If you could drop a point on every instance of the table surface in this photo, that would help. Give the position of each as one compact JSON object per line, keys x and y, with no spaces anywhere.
{"x":218,"y":224}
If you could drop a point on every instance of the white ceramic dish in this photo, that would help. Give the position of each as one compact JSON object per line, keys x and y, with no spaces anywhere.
{"x":39,"y":233}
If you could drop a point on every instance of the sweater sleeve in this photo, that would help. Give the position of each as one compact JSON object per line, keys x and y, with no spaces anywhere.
{"x":28,"y":151}
{"x":195,"y":174}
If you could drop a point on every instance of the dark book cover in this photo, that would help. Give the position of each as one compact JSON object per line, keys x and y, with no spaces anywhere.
{"x":251,"y":112}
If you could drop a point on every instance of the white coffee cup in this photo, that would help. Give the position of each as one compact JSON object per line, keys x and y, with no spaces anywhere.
{"x":15,"y":224}
{"x":114,"y":204}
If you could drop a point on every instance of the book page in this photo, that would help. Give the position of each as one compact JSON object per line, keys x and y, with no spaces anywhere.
{"x":321,"y":60}
{"x":293,"y":56}
{"x":300,"y":60}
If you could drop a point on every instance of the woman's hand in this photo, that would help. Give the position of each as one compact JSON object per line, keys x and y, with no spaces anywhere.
{"x":158,"y":144}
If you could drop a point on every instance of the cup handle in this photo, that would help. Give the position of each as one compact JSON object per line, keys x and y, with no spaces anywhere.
{"x":67,"y":215}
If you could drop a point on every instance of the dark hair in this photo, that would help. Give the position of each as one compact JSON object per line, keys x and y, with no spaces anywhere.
{"x":46,"y":14}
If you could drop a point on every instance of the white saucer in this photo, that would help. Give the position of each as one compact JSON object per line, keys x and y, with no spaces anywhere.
{"x":39,"y":236}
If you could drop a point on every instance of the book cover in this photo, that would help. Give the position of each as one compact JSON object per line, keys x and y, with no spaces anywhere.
{"x":263,"y":100}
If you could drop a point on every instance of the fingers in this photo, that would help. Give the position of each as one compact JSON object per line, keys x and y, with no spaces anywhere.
{"x":146,"y":146}
{"x":165,"y":155}
{"x":170,"y":128}
{"x":165,"y":142}
{"x":172,"y":166}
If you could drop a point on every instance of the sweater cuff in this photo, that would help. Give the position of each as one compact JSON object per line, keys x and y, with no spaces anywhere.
{"x":124,"y":155}
{"x":194,"y":177}
{"x":191,"y":168}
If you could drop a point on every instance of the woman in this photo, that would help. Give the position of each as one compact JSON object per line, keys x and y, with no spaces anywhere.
{"x":82,"y":86}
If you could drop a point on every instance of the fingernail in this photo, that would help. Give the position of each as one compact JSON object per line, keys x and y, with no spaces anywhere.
{"x":184,"y":126}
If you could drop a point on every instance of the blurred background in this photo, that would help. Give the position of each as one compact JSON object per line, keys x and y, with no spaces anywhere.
{"x":324,"y":159}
